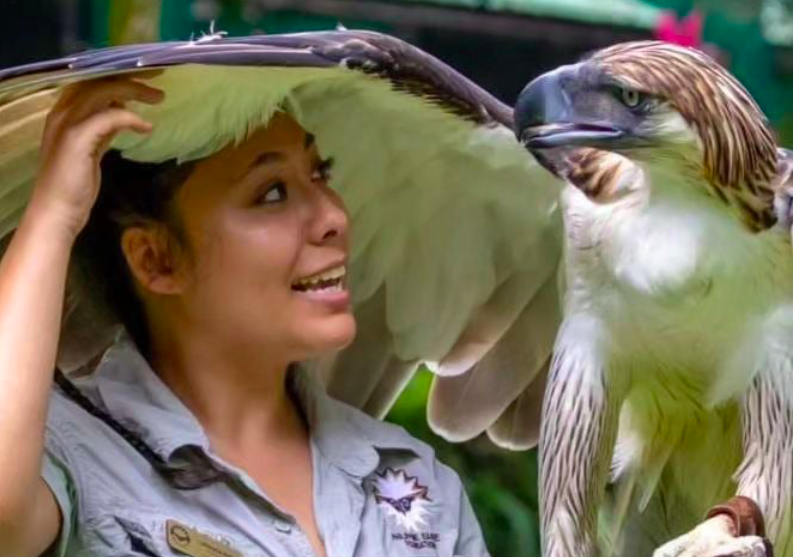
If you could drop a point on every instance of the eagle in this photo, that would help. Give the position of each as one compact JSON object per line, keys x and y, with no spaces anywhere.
{"x":670,"y":387}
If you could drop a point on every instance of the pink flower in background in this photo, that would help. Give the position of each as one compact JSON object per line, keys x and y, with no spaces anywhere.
{"x":684,"y":32}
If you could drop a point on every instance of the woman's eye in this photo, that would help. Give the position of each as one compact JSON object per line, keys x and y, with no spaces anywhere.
{"x":323,"y":171}
{"x":630,"y":98}
{"x":274,"y":194}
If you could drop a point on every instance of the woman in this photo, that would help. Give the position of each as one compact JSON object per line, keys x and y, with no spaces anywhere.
{"x":195,"y":434}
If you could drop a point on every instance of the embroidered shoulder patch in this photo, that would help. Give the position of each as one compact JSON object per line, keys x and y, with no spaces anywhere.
{"x":405,"y":500}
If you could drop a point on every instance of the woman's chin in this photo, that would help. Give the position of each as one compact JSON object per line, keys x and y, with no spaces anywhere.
{"x":332,"y":334}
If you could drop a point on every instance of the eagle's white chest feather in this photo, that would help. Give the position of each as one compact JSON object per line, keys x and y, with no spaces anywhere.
{"x":689,"y":306}
{"x":677,"y":282}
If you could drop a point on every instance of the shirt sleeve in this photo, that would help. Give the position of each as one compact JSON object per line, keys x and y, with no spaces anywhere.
{"x":470,"y":537}
{"x":56,"y":475}
{"x":470,"y":542}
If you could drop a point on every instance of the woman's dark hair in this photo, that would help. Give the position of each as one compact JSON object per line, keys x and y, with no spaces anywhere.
{"x":132,"y":194}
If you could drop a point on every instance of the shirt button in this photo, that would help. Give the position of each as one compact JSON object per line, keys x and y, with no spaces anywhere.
{"x":284,"y":527}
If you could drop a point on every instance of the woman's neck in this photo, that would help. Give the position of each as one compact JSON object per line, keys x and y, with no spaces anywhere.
{"x":242,"y":403}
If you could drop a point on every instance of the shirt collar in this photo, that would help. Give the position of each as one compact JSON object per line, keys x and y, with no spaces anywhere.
{"x":345,"y":435}
{"x":135,"y":396}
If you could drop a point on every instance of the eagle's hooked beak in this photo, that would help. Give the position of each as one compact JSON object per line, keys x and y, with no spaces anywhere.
{"x":545,"y":116}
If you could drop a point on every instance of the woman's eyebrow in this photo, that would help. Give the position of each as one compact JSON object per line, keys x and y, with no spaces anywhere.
{"x":265,"y":158}
{"x":271,"y":157}
{"x":262,"y":159}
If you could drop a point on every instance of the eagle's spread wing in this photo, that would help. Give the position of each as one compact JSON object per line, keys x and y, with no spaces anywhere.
{"x":455,"y":230}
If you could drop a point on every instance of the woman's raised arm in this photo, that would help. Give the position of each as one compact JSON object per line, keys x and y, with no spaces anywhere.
{"x":33,"y":272}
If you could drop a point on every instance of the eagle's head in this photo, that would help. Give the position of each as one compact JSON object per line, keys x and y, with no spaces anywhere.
{"x":660,"y":106}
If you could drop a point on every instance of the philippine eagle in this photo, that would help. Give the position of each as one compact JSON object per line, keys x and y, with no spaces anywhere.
{"x":671,"y":379}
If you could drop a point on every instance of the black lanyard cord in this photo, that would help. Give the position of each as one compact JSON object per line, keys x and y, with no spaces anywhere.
{"x":182,"y":478}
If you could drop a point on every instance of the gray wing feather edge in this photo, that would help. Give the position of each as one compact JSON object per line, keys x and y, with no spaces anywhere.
{"x":407,"y":67}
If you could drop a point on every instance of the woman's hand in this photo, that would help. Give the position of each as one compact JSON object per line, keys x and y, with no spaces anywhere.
{"x":33,"y":271}
{"x":77,"y":133}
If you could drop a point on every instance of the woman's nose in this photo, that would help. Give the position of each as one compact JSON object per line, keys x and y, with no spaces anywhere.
{"x":331,"y":218}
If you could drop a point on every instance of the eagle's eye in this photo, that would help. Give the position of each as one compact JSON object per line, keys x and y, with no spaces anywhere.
{"x":630,"y":98}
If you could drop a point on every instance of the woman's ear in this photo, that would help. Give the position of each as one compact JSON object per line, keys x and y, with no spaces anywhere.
{"x":151,"y":259}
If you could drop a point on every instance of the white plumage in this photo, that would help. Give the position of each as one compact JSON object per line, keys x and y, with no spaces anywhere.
{"x":686,"y":305}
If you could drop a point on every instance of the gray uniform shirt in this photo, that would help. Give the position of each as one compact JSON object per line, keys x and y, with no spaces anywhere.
{"x":377,"y":491}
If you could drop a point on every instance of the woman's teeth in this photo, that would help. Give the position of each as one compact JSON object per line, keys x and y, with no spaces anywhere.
{"x":333,"y":279}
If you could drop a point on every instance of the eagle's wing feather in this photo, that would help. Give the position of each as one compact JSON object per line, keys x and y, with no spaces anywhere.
{"x":455,"y":230}
{"x":519,"y":427}
{"x":462,"y":406}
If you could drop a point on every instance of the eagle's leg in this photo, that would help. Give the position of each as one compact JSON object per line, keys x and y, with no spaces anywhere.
{"x":578,"y":431}
{"x":765,"y":475}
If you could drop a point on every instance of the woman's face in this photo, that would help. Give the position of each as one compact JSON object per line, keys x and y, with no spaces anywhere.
{"x":269,"y":245}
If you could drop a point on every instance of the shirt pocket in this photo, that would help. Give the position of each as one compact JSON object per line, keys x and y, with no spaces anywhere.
{"x":126,"y":534}
{"x":140,"y":540}
{"x":142,"y":533}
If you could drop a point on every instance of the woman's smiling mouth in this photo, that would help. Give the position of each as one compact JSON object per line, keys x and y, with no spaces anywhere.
{"x":326,"y":286}
{"x":332,"y":279}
